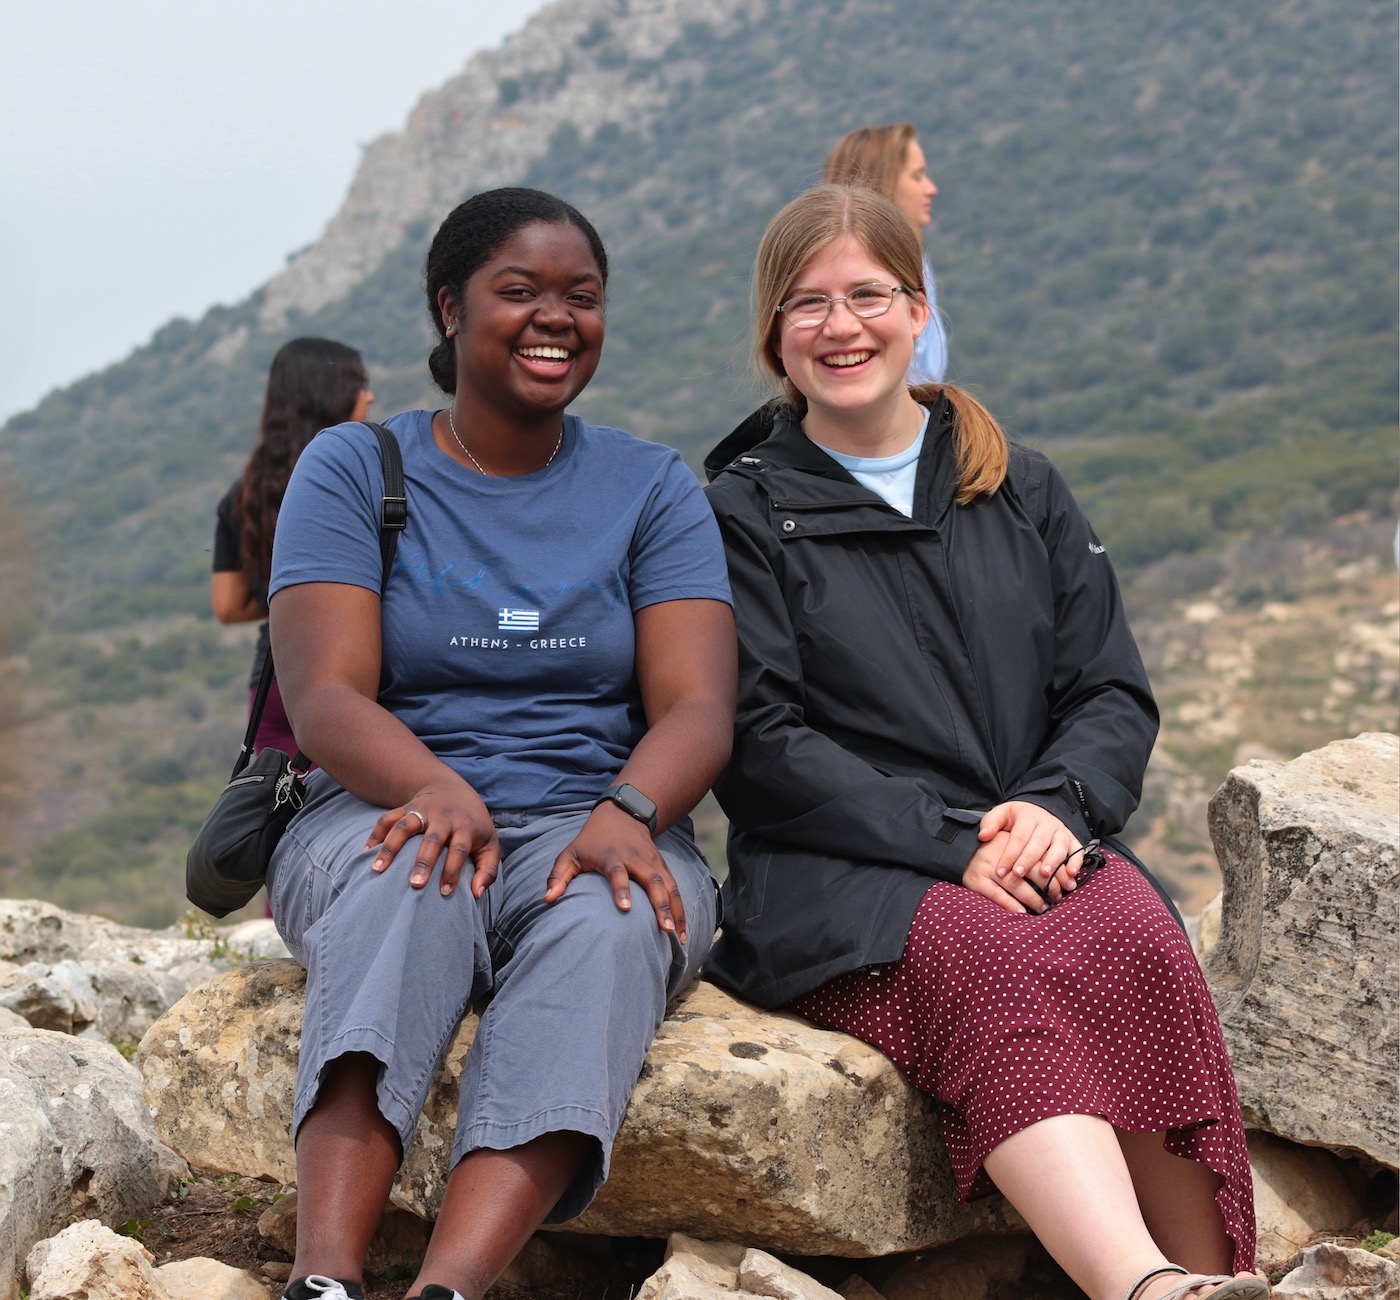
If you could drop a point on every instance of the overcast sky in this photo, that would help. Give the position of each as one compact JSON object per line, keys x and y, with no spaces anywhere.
{"x":160,"y":156}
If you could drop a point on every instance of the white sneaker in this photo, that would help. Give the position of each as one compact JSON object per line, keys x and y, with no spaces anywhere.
{"x":317,"y":1284}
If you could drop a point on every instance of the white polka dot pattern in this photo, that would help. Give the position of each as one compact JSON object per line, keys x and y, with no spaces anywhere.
{"x":1096,"y":1007}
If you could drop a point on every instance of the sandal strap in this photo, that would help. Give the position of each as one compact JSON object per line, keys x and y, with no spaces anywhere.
{"x":1197,"y":1281}
{"x":1144,"y":1278}
{"x":1221,"y":1285}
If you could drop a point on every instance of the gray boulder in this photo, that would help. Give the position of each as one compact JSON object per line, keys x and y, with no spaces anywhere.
{"x":1306,"y":966}
{"x":77,"y":1142}
{"x":94,"y":978}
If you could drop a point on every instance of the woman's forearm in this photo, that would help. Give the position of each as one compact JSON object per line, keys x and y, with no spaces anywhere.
{"x":678,"y":759}
{"x":364,"y":746}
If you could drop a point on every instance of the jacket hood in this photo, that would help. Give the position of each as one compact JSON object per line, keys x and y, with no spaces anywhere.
{"x":753,"y":430}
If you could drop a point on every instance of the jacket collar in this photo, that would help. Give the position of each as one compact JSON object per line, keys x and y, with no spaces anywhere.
{"x":772,"y":438}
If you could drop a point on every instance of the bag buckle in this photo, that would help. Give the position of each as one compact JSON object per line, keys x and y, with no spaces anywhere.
{"x":288,"y":791}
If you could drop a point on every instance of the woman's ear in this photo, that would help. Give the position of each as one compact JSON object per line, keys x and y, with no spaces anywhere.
{"x":447,"y":309}
{"x":919,"y":312}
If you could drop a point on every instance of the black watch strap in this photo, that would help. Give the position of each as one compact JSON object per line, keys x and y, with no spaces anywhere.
{"x":633,"y":802}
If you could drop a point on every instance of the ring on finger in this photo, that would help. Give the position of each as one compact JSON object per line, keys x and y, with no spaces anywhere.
{"x":422,"y":821}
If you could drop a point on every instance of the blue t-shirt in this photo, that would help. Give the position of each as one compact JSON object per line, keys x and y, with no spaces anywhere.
{"x":508,"y":638}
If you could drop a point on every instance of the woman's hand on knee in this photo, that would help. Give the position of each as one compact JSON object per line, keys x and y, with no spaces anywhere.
{"x":1038,"y":847}
{"x":451,"y":825}
{"x":617,"y":846}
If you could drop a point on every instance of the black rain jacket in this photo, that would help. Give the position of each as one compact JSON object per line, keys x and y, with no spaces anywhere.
{"x":899,"y":677}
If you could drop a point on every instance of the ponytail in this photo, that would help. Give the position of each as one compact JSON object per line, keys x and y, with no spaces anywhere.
{"x":979,"y":445}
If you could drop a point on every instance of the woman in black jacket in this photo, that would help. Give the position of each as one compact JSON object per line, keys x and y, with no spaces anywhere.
{"x":943,"y":719}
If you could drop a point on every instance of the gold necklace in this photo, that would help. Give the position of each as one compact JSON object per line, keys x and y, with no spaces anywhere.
{"x":452,"y":425}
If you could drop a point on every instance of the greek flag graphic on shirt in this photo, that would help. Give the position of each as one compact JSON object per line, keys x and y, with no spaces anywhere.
{"x":518,"y":620}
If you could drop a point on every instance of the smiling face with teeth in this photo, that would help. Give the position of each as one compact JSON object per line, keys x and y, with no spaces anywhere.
{"x":852,"y":370}
{"x":527,"y":334}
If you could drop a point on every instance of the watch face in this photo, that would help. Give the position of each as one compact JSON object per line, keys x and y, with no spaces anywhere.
{"x":636,"y":802}
{"x":633,"y":801}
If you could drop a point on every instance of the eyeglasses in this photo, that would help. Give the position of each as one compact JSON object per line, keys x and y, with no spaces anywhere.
{"x":805,"y":311}
{"x":1093,"y":860}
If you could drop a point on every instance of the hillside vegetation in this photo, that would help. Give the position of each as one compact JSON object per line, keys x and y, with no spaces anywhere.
{"x":1165,"y":242}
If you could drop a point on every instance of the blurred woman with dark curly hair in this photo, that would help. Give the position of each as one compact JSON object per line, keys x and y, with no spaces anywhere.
{"x":313,"y":384}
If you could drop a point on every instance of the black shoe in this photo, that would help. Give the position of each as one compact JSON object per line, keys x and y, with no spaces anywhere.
{"x":434,"y":1292}
{"x":314,"y":1286}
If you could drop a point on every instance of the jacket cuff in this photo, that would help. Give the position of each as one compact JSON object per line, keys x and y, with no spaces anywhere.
{"x":1066,"y":809}
{"x":954,"y":844}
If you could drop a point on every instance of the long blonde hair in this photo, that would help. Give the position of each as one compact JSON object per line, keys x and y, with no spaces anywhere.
{"x":815,"y":220}
{"x":870,"y":156}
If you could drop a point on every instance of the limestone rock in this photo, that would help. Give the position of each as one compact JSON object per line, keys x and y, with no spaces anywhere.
{"x":88,"y":976}
{"x":714,"y":1264}
{"x":758,"y":1126}
{"x":76,"y":1141}
{"x":856,"y":1287}
{"x":745,"y":1124}
{"x":700,"y":1270}
{"x":220,"y":1071}
{"x":761,"y":1274}
{"x":1306,"y":965}
{"x":1300,"y":1193}
{"x":88,"y":1261}
{"x":207,"y":1279}
{"x":1207,"y":929}
{"x":1330,"y":1272}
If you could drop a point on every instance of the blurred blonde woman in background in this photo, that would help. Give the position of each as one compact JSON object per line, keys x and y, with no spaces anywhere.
{"x":890,"y":161}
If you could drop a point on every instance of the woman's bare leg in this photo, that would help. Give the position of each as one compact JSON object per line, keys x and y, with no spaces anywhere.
{"x":1068,"y":1178}
{"x":494,"y":1202}
{"x":1177,"y":1199}
{"x":1073,"y":1184}
{"x":347,"y":1155}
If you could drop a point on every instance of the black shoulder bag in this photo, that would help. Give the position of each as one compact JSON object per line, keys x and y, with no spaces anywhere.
{"x":227,"y":862}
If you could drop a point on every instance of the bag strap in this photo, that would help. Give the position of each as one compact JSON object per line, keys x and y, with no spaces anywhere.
{"x":393,"y":519}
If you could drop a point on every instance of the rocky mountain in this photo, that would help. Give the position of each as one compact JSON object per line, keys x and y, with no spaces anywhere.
{"x":1166,"y":247}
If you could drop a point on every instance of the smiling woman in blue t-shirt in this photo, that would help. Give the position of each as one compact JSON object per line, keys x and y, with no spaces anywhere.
{"x":510,"y":739}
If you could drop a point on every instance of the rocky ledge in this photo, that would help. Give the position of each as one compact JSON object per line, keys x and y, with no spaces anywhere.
{"x":748,"y":1127}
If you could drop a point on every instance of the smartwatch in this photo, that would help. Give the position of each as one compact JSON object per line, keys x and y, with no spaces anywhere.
{"x":633,"y":802}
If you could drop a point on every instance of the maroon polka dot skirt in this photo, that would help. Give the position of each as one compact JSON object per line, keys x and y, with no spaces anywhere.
{"x":1096,"y":1007}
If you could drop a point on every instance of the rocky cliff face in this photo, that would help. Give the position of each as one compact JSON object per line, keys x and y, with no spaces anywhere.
{"x":486,"y":127}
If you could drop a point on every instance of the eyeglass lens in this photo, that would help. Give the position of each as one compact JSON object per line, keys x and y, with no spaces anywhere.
{"x":806,"y":310}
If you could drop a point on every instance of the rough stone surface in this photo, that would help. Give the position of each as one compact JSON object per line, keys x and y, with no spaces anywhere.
{"x":207,"y":1279}
{"x":1329,"y":1272}
{"x":76,"y":1141}
{"x":88,"y":1261}
{"x":856,"y":1287}
{"x":1300,"y":1193}
{"x":744,"y":1123}
{"x":88,"y":976}
{"x":713,"y":1270}
{"x":478,"y":131}
{"x":761,"y":1274}
{"x":1306,"y":966}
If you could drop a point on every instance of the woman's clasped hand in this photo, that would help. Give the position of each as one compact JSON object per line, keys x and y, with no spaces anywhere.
{"x":1028,"y":858}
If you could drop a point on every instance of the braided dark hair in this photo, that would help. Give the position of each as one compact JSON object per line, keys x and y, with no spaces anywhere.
{"x":313,"y":384}
{"x":467,"y":238}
